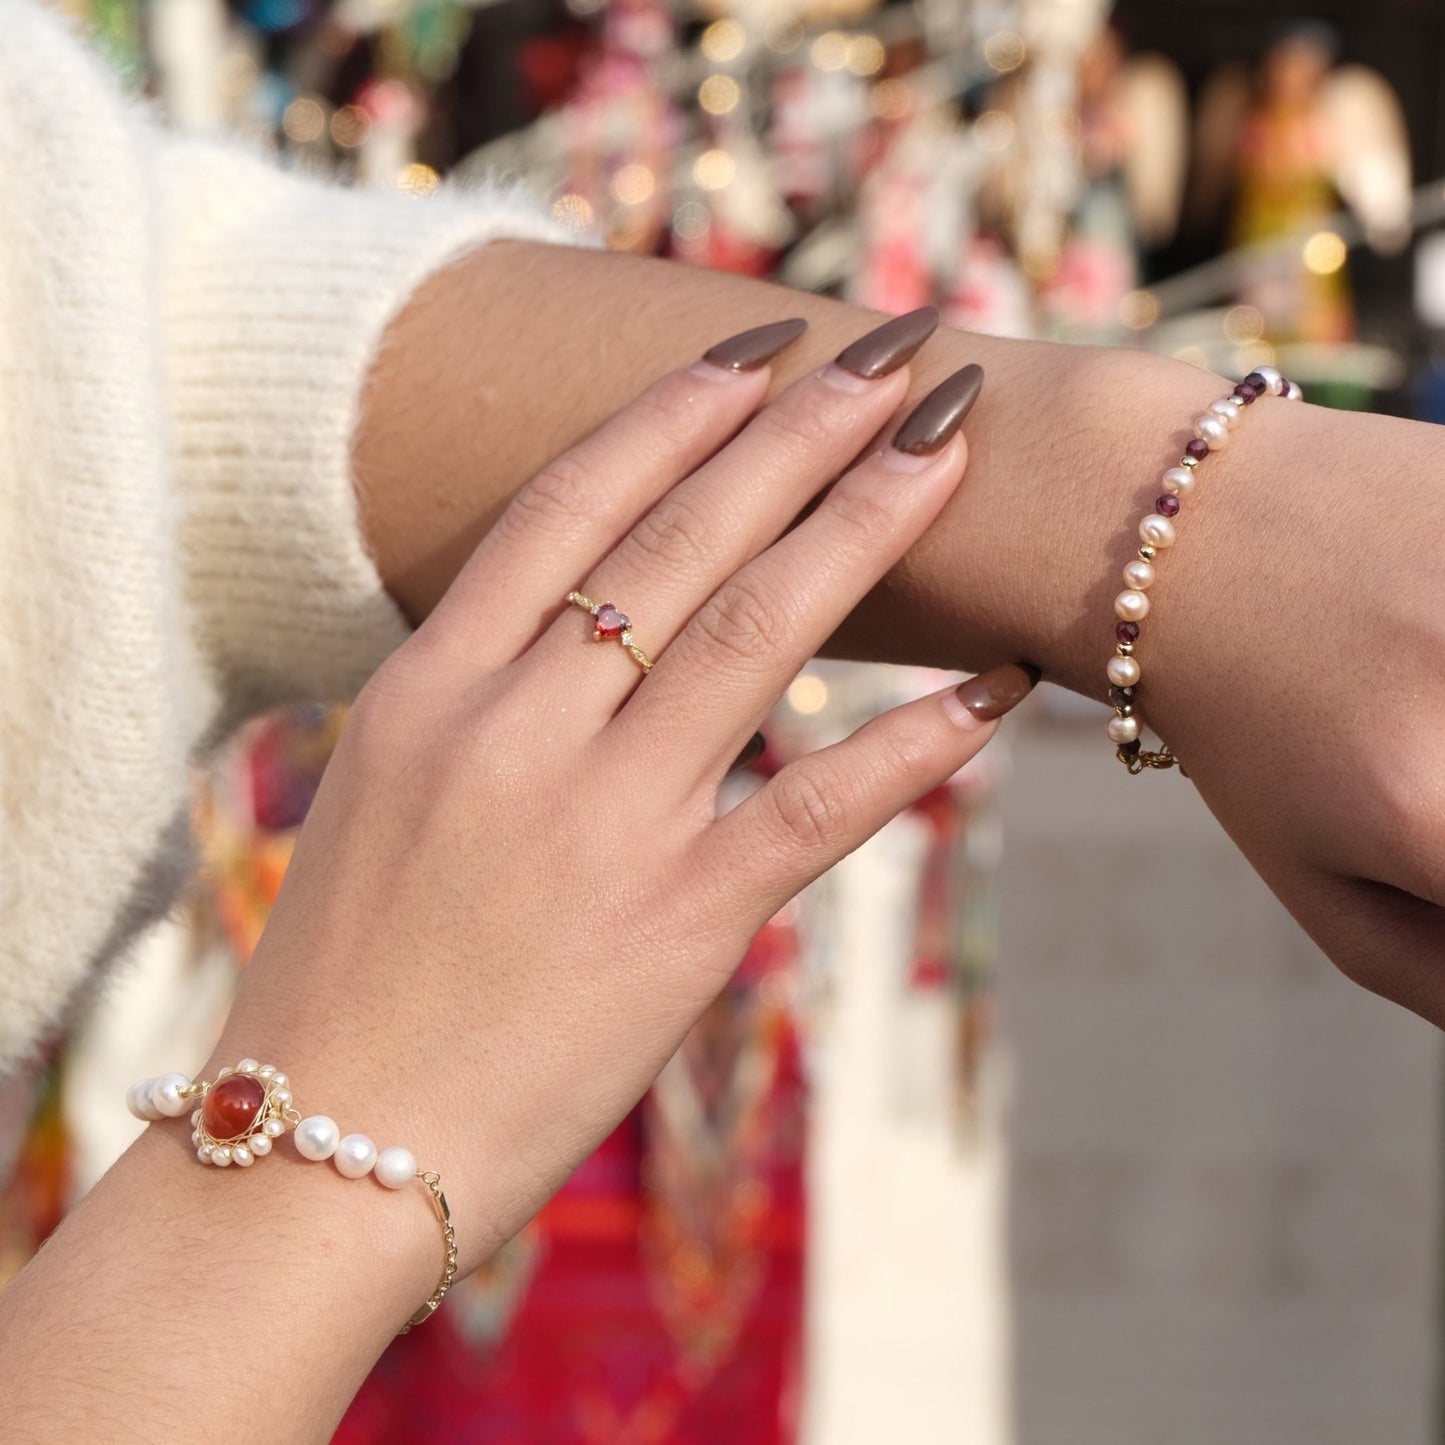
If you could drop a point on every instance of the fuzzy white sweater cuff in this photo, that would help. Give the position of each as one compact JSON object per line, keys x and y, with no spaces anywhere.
{"x":275,"y":297}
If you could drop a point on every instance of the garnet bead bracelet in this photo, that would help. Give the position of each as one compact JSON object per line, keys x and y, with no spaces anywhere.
{"x":1156,"y":532}
{"x":241,"y":1113}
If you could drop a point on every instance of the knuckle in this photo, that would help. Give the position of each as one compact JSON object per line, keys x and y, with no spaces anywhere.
{"x":798,"y":428}
{"x":811,"y":811}
{"x":676,"y":531}
{"x":662,"y":409}
{"x":743,"y":621}
{"x":898,"y":757}
{"x":861,"y":512}
{"x":373,"y":720}
{"x":558,"y":498}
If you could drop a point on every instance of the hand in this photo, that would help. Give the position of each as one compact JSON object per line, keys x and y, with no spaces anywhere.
{"x":513,"y":895}
{"x":1296,"y":664}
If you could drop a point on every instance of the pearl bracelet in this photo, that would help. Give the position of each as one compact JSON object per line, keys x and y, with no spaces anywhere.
{"x":244,"y":1110}
{"x":1156,"y":532}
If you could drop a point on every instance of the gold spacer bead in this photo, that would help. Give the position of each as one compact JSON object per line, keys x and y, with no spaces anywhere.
{"x":1124,"y":649}
{"x":1125,"y":709}
{"x":1148,"y":553}
{"x":1190,"y":462}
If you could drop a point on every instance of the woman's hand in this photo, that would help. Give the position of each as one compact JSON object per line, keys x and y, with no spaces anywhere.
{"x":513,"y":895}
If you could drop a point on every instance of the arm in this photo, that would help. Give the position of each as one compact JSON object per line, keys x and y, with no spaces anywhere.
{"x":1295,"y":655}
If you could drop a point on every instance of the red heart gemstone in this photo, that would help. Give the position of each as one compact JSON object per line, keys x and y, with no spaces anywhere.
{"x":232,"y":1106}
{"x":610,"y":622}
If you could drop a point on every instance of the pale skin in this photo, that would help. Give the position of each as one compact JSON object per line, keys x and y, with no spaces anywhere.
{"x":496,"y":758}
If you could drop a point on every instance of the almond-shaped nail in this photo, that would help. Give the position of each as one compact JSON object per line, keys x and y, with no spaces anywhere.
{"x":991,"y":694}
{"x":749,"y":350}
{"x":882,"y":351}
{"x":932,"y":424}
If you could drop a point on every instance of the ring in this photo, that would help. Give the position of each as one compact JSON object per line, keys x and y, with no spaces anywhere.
{"x":611,"y":624}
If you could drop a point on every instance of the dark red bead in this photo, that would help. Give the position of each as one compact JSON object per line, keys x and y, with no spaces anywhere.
{"x":1127,"y":632}
{"x":1167,"y":506}
{"x":1121,"y":696}
{"x":1131,"y":749}
{"x":1284,"y":386}
{"x":1255,"y":380}
{"x":1198,"y":449}
{"x":1246,"y":393}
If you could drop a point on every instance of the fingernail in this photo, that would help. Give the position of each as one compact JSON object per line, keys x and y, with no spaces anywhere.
{"x":750,"y":754}
{"x":934,"y":422}
{"x":991,"y":694}
{"x":749,"y":350}
{"x":883,"y":351}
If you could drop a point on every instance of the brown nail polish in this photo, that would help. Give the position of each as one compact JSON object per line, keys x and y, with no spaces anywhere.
{"x":991,"y":694}
{"x":749,"y":350}
{"x":932,"y":423}
{"x":893,"y":344}
{"x":750,"y":754}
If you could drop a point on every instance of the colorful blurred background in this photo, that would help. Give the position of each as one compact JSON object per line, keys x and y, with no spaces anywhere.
{"x":1037,"y":1122}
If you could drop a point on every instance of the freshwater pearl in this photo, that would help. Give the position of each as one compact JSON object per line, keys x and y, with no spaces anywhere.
{"x":241,"y":1155}
{"x":317,"y":1137}
{"x":1179,"y":480}
{"x":279,"y":1079}
{"x":1131,"y":606}
{"x":281,"y":1096}
{"x":1123,"y":671}
{"x":1272,"y":379}
{"x":1123,"y":729}
{"x":138,"y":1099}
{"x":221,"y":1073}
{"x":204,"y":1153}
{"x":247,"y":1066}
{"x":274,"y":1127}
{"x":355,"y":1155}
{"x":1294,"y":393}
{"x":220,"y":1156}
{"x":1138,"y":577}
{"x":395,"y":1166}
{"x":1227,"y":410}
{"x":1157,"y":531}
{"x":166,"y":1095}
{"x":259,"y":1144}
{"x":1212,"y":432}
{"x":265,"y":1071}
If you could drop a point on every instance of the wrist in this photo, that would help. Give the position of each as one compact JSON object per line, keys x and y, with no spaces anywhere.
{"x":211,"y":1305}
{"x":1024,"y":562}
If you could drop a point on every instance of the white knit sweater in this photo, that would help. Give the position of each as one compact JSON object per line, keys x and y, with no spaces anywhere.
{"x":184,"y":333}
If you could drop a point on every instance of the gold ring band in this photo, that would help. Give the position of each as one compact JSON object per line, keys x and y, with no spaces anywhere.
{"x":611,"y":625}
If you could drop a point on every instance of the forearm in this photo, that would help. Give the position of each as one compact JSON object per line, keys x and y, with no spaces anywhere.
{"x":185,"y":1304}
{"x":504,"y":361}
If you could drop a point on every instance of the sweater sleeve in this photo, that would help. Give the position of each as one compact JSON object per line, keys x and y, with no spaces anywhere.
{"x":276,"y":292}
{"x":185,"y":333}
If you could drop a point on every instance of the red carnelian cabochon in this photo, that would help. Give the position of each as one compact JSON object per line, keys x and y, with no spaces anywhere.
{"x":232,"y":1105}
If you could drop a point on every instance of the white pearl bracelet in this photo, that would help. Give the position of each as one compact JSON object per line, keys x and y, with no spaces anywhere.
{"x":244,"y":1110}
{"x":1156,"y":532}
